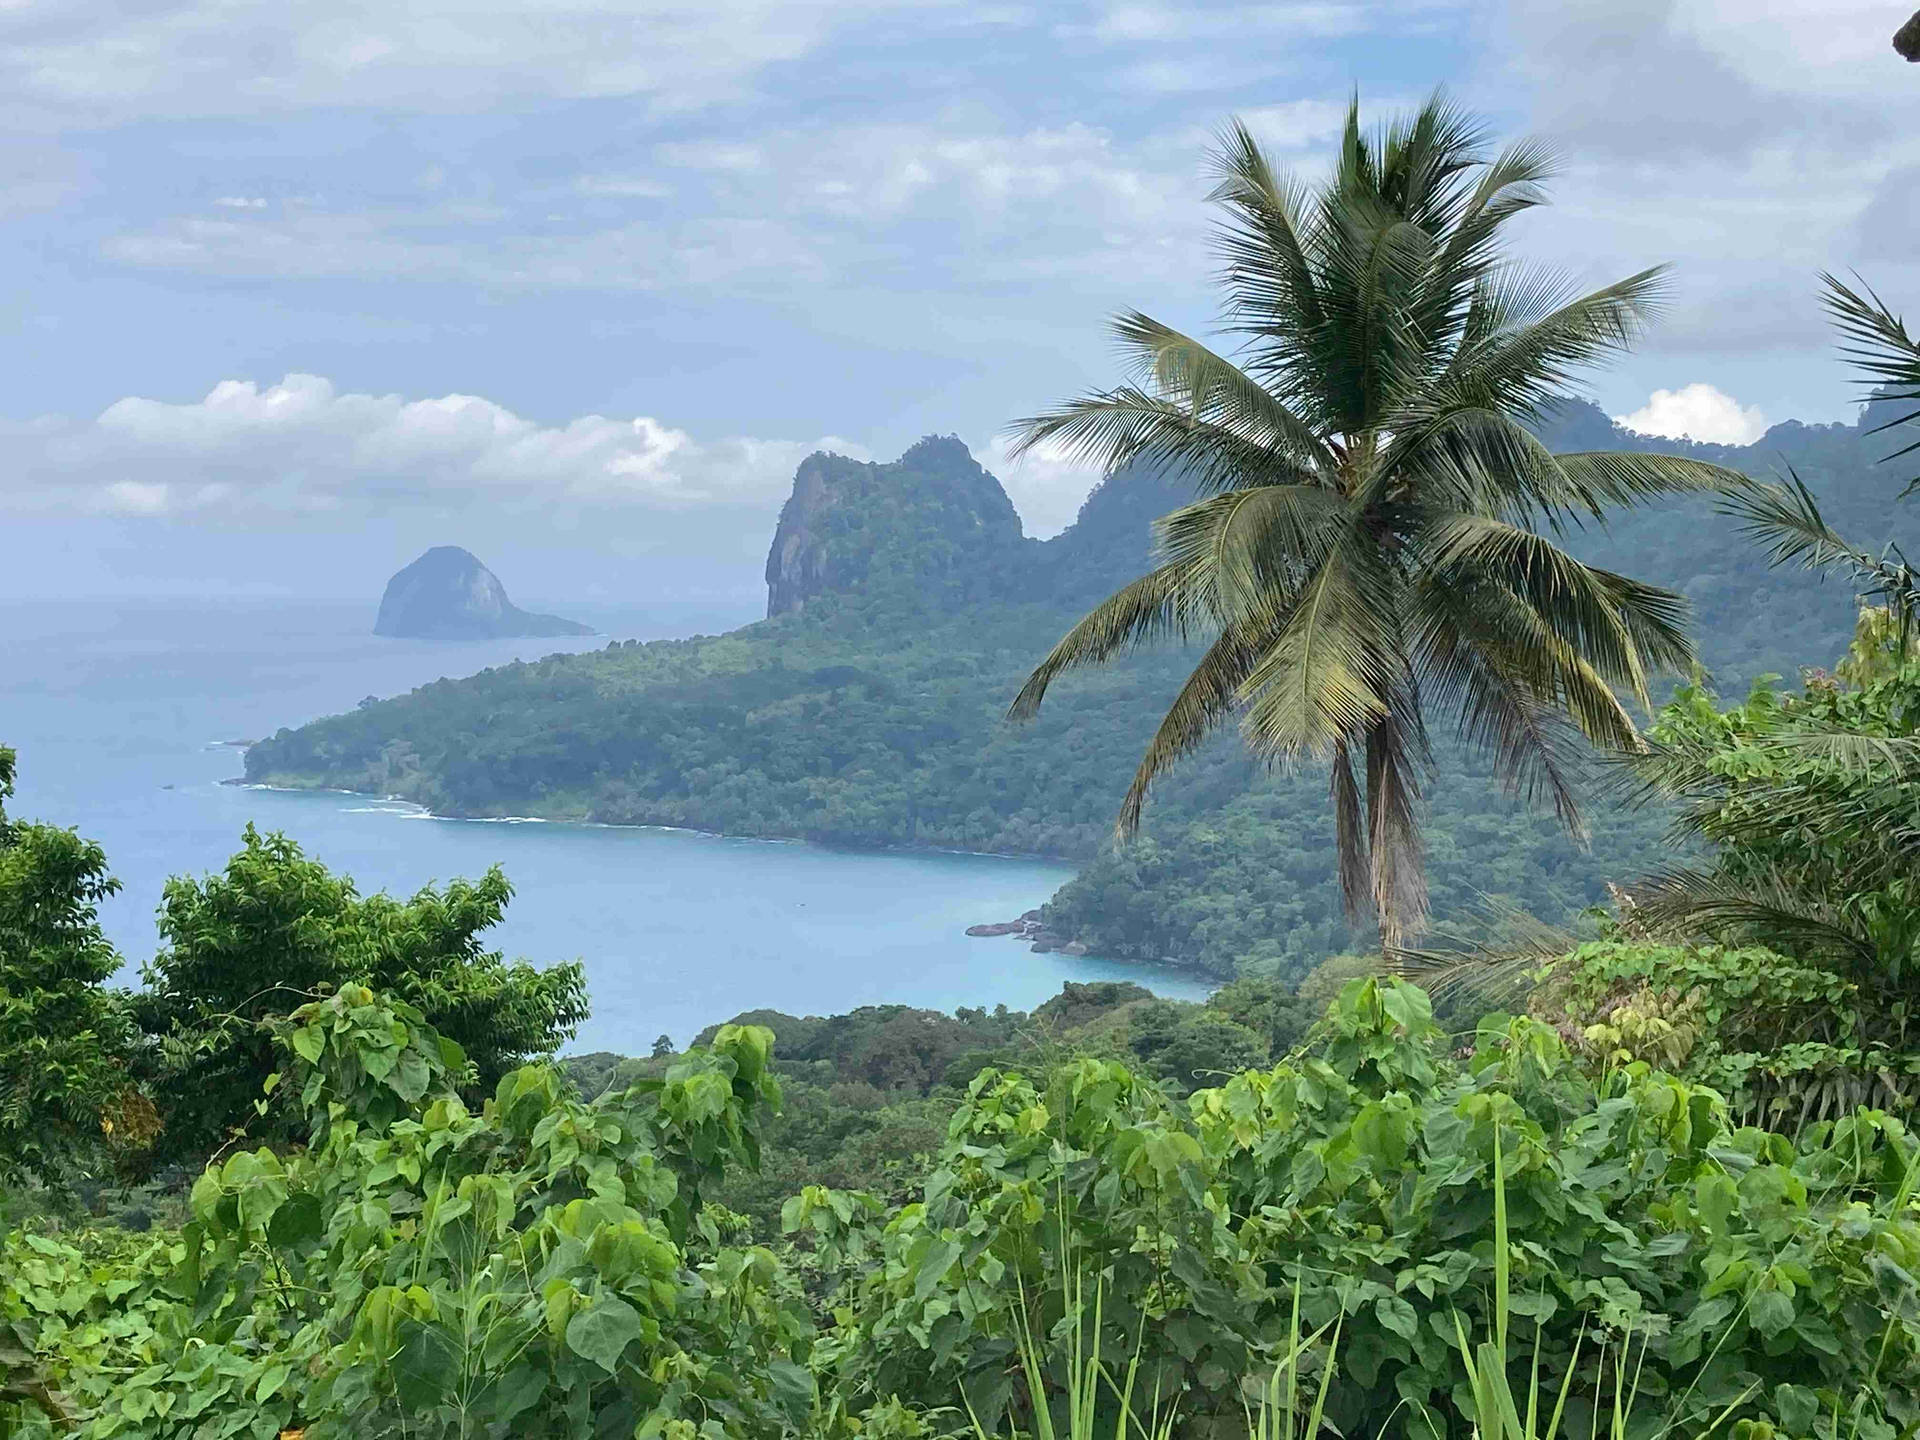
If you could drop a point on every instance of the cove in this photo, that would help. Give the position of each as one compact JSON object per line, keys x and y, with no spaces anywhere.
{"x":118,"y":710}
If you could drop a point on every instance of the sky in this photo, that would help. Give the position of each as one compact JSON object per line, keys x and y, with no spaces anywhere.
{"x":289,"y":292}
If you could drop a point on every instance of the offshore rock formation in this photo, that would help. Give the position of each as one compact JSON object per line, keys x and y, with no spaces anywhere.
{"x":447,"y":594}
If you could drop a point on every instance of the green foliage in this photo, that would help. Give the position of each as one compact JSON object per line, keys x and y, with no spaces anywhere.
{"x":1786,"y":1042}
{"x":64,"y":1037}
{"x":1809,"y":799}
{"x":1360,"y":1180}
{"x":276,"y":928}
{"x":867,"y":1095}
{"x":419,"y":1269}
{"x":1333,"y":1232}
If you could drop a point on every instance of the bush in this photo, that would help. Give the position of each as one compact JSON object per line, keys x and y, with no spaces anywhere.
{"x":1783,"y":1040}
{"x":547,"y":1267}
{"x":1755,"y":1273}
{"x":275,"y":928}
{"x":423,"y":1270}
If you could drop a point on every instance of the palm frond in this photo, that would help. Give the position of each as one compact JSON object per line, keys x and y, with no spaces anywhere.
{"x":1611,"y":478}
{"x":1206,"y":698}
{"x":1536,"y":751}
{"x":1492,"y":952}
{"x":1213,"y":390}
{"x":1249,"y":551}
{"x":1689,"y":903}
{"x":1524,"y":368}
{"x":1875,"y":341}
{"x":1587,"y":608}
{"x":1116,"y":428}
{"x":1467,"y":267}
{"x":1786,"y":522}
{"x":1149,"y":609}
{"x":1265,"y":242}
{"x":1332,"y":670}
{"x":1872,"y":757}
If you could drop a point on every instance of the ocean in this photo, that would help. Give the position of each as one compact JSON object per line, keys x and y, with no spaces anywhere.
{"x":122,"y":713}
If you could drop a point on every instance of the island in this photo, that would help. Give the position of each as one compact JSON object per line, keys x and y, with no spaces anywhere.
{"x":447,"y":594}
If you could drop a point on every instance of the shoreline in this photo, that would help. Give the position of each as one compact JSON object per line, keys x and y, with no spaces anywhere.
{"x":423,"y":812}
{"x":240,"y":782}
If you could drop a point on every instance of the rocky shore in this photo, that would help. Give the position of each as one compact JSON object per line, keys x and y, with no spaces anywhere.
{"x":1030,"y":927}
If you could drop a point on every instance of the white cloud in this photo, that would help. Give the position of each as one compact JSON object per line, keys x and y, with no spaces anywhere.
{"x":1295,"y":124}
{"x":99,"y":62}
{"x":1697,"y":412}
{"x":1047,"y":485}
{"x":1758,"y":135}
{"x":942,"y":202}
{"x":484,"y":248}
{"x":260,"y":455}
{"x":1139,"y":22}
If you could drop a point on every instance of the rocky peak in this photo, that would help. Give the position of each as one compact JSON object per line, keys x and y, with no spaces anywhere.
{"x":931,"y":525}
{"x":447,"y":594}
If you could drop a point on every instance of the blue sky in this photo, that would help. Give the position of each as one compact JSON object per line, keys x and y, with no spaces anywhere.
{"x":292,"y":291}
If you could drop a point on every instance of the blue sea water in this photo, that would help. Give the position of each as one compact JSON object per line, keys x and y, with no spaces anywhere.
{"x":119,"y":710}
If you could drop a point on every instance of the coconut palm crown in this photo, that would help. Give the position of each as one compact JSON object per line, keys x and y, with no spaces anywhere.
{"x":1374,"y":542}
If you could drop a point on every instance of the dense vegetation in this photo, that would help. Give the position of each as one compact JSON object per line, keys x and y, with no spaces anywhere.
{"x":95,"y":1078}
{"x":849,"y":724}
{"x":1401,"y":1225}
{"x":1677,"y":1198}
{"x":63,"y":1037}
{"x":275,"y":927}
{"x":867,"y":1095}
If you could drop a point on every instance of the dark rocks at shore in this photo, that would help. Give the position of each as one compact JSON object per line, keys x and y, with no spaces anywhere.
{"x":1030,"y":927}
{"x":1003,"y":927}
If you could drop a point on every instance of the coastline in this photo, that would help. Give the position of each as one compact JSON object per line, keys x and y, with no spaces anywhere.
{"x":241,"y":782}
{"x":1178,"y":967}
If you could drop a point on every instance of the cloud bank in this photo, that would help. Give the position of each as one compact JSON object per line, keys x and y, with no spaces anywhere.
{"x":302,"y":450}
{"x":1697,"y":412}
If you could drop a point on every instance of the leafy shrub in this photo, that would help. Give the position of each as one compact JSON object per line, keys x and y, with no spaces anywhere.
{"x":424,"y":1270}
{"x":1359,"y":1179}
{"x":1781,"y":1039}
{"x":548,"y":1267}
{"x":276,"y":927}
{"x":64,"y":1037}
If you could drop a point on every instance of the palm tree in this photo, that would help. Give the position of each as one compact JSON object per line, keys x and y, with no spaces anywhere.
{"x":1375,"y":537}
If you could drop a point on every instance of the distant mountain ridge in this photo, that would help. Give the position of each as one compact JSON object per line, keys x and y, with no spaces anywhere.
{"x":447,"y":594}
{"x":907,"y":605}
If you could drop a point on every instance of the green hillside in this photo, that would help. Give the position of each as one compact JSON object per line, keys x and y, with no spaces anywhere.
{"x":869,"y":710}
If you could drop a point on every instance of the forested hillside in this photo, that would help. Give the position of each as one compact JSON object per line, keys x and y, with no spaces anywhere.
{"x":870,"y":711}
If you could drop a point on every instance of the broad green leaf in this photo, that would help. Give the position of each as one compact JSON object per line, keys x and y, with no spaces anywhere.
{"x":602,"y":1331}
{"x":428,"y":1365}
{"x":1397,"y":1315}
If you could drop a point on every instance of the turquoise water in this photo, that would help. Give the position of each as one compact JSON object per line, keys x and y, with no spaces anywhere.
{"x":118,"y":710}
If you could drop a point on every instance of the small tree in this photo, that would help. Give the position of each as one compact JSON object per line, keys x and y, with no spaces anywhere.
{"x":276,"y":928}
{"x":63,"y":1034}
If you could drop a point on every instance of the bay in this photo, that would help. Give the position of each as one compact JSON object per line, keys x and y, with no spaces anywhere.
{"x":120,"y":710}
